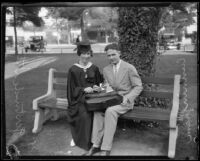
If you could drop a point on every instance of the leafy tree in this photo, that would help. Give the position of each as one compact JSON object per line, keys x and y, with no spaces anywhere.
{"x":138,"y":36}
{"x":69,"y":13}
{"x":21,"y":15}
{"x":54,"y":12}
{"x":104,"y":18}
{"x":98,"y":16}
{"x":138,"y":31}
{"x":178,"y":16}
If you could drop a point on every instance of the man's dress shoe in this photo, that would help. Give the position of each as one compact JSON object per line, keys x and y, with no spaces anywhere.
{"x":92,"y":151}
{"x":105,"y":153}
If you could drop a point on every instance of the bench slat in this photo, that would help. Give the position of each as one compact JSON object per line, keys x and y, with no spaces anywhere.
{"x":59,"y":86}
{"x":157,"y":80}
{"x":160,"y":80}
{"x":143,"y":113}
{"x":54,"y":103}
{"x":156,"y":94}
{"x":153,"y":80}
{"x":60,"y":75}
{"x":169,"y":95}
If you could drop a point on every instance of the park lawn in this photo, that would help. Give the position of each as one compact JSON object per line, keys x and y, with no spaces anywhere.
{"x":167,"y":65}
{"x":34,"y":84}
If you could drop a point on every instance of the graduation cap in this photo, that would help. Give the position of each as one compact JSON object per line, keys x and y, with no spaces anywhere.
{"x":83,"y":47}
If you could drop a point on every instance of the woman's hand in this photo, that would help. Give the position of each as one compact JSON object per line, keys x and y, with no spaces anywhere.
{"x":88,"y":90}
{"x":96,"y":88}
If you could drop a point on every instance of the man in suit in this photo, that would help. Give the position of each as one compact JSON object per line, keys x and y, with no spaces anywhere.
{"x":122,"y":77}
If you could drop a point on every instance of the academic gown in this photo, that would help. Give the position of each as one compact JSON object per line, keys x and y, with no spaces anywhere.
{"x":79,"y":118}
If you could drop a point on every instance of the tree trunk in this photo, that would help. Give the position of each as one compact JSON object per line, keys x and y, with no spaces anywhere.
{"x":15,"y":30}
{"x":138,"y":37}
{"x":68,"y":33}
{"x":82,"y":29}
{"x":57,"y":31}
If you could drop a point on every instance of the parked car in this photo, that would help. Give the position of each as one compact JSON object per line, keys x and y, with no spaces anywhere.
{"x":172,"y":45}
{"x":35,"y":43}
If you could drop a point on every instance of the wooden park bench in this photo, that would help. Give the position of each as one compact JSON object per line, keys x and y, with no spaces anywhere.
{"x":46,"y":107}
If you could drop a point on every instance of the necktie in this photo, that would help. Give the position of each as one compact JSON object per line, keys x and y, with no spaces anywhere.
{"x":115,"y":70}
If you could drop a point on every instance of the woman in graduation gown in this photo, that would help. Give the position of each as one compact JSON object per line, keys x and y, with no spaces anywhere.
{"x":82,"y":77}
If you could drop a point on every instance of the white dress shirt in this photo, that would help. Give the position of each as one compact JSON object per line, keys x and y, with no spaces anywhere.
{"x":116,"y":67}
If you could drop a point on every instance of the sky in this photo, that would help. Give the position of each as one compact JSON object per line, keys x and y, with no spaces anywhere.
{"x":43,"y":12}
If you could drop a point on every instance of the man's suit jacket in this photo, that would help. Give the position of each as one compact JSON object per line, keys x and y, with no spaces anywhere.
{"x":127,"y":82}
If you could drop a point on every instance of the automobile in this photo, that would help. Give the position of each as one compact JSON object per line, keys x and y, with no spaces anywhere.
{"x":172,"y":45}
{"x":9,"y":41}
{"x":35,"y":43}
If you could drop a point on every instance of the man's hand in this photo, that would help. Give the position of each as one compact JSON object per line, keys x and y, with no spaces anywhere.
{"x":125,"y":101}
{"x":88,"y":90}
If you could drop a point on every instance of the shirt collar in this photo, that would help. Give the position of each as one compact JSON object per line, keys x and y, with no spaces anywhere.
{"x":84,"y":67}
{"x":118,"y":64}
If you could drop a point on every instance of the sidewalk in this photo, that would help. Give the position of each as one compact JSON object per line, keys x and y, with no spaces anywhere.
{"x":25,"y":64}
{"x":178,"y":52}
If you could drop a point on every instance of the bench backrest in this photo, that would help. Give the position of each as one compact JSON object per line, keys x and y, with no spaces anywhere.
{"x":58,"y":84}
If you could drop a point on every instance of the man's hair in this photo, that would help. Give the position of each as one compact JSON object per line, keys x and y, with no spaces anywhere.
{"x":113,"y":46}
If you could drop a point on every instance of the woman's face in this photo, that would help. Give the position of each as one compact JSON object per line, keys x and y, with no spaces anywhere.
{"x":85,"y":57}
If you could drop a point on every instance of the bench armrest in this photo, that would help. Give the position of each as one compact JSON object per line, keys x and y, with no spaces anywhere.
{"x":175,"y":105}
{"x":39,"y":99}
{"x":50,"y":92}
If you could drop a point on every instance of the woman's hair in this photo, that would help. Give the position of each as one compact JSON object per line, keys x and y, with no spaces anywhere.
{"x":84,"y":48}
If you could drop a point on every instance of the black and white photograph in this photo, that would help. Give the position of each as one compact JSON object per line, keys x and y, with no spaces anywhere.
{"x":99,"y":80}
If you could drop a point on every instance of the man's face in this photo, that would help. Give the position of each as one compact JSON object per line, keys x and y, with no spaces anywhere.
{"x":113,"y":56}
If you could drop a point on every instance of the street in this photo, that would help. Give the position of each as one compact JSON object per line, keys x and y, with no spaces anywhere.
{"x":70,"y":48}
{"x":59,"y":49}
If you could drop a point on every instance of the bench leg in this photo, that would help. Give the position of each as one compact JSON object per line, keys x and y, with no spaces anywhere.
{"x":54,"y":114}
{"x":39,"y":116}
{"x":49,"y":114}
{"x":173,"y":133}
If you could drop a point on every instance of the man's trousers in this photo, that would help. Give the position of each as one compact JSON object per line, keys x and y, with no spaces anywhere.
{"x":104,"y":125}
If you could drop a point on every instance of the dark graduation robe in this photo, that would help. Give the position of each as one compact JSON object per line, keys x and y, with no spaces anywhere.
{"x":79,"y":118}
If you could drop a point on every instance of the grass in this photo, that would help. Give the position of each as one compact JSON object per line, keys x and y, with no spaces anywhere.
{"x":168,"y":65}
{"x":34,"y":84}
